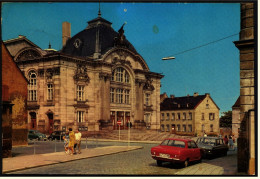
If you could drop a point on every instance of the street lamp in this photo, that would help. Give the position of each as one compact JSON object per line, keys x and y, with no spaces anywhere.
{"x":168,"y":58}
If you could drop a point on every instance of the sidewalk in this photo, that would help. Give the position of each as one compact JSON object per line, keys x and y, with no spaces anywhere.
{"x":219,"y":166}
{"x":31,"y":161}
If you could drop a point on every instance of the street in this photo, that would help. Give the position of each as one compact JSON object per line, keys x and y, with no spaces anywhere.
{"x":137,"y":162}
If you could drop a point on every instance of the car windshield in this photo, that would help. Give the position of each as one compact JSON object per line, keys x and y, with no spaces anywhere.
{"x":209,"y":141}
{"x":176,"y":143}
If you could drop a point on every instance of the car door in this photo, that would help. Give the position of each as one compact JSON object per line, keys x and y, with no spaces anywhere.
{"x":196,"y":151}
{"x":190,"y":151}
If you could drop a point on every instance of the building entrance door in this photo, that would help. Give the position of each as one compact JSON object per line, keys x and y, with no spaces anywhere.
{"x":120,"y":116}
{"x":33,"y":120}
{"x":50,"y":116}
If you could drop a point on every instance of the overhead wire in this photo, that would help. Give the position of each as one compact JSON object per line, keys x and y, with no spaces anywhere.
{"x":204,"y":45}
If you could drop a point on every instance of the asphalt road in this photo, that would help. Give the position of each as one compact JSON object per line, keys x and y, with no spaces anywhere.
{"x":137,"y":162}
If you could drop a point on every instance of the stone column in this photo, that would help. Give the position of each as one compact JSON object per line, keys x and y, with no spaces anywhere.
{"x":246,"y":152}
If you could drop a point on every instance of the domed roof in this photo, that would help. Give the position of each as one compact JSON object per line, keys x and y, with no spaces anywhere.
{"x":97,"y":38}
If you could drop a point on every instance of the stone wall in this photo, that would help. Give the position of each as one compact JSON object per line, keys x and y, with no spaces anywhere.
{"x":246,"y":156}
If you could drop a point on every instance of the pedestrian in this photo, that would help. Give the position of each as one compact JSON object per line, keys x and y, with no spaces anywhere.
{"x":225,"y":140}
{"x":230,"y":142}
{"x":78,"y":141}
{"x":71,"y":141}
{"x":66,"y":144}
{"x":205,"y":135}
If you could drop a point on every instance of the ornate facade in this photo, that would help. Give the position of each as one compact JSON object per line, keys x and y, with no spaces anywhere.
{"x":96,"y":79}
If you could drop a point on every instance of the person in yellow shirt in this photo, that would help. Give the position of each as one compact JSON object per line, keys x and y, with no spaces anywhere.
{"x":71,"y":141}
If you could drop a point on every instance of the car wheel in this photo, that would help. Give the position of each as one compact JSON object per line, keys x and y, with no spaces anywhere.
{"x":159,"y":162}
{"x":186,"y":163}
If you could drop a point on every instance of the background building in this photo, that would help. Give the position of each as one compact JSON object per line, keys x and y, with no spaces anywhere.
{"x":248,"y":52}
{"x":95,"y":80}
{"x":190,"y":115}
{"x":14,"y":104}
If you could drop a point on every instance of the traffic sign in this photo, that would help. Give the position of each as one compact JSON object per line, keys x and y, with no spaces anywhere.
{"x":119,"y":122}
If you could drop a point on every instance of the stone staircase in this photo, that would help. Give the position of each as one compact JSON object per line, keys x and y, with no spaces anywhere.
{"x":136,"y":135}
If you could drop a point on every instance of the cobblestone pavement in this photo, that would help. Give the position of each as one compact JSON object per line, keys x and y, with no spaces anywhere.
{"x":137,"y":162}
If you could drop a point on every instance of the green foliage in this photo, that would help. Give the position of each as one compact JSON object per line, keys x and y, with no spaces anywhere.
{"x":226,"y":119}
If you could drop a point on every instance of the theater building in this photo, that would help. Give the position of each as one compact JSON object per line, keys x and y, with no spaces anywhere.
{"x":95,"y":80}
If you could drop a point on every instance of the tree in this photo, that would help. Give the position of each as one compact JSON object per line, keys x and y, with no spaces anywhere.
{"x":226,"y":119}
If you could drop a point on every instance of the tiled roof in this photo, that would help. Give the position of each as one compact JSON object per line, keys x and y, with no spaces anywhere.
{"x":186,"y":102}
{"x":237,"y":103}
{"x":88,"y":38}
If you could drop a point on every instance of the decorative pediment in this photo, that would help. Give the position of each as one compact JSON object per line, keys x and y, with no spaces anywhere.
{"x":81,"y":74}
{"x":28,"y":54}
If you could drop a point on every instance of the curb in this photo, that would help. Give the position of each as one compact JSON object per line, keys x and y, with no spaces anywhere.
{"x":56,"y":161}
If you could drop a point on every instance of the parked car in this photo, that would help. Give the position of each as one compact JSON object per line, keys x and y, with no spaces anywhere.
{"x":212,"y":146}
{"x":180,"y":151}
{"x":58,"y":135}
{"x":35,"y":134}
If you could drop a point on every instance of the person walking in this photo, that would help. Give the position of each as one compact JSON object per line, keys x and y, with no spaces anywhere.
{"x":231,"y":143}
{"x":78,"y":141}
{"x":72,"y":141}
{"x":225,"y":140}
{"x":66,"y":144}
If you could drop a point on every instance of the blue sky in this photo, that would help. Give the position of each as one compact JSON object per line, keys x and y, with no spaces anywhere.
{"x":156,"y":30}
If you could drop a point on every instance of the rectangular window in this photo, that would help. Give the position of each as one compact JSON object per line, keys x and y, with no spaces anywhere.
{"x":127,"y":96}
{"x":119,"y":96}
{"x":119,"y":74}
{"x":184,"y":116}
{"x":49,"y":92}
{"x":211,"y":128}
{"x":211,"y":116}
{"x":189,"y":128}
{"x":167,"y":128}
{"x":173,"y":116}
{"x":147,"y":99}
{"x":202,"y":116}
{"x":162,"y":128}
{"x":178,"y":116}
{"x":167,"y":116}
{"x":207,"y":106}
{"x":112,"y":95}
{"x":147,"y":118}
{"x":178,"y":127}
{"x":80,"y":116}
{"x":184,"y":128}
{"x":32,"y":92}
{"x":190,"y":116}
{"x":80,"y":93}
{"x":162,"y":116}
{"x":202,"y":128}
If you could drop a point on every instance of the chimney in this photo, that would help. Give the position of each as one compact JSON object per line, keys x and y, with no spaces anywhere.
{"x":172,"y":96}
{"x":66,"y":32}
{"x":196,"y":94}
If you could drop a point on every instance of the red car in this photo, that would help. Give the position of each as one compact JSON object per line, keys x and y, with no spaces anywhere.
{"x":176,"y":151}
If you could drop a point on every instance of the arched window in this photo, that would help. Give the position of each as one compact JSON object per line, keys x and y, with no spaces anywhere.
{"x":120,"y":75}
{"x":32,"y":86}
{"x":120,"y":95}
